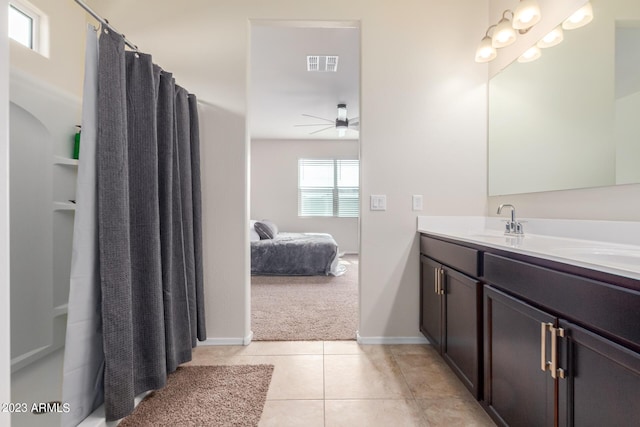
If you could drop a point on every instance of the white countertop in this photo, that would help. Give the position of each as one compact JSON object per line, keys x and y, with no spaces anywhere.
{"x":608,"y":246}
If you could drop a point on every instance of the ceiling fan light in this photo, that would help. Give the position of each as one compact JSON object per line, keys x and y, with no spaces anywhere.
{"x":342,"y":132}
{"x":504,"y":34}
{"x":527,"y":15}
{"x":554,"y":38}
{"x":530,"y":54}
{"x":486,"y":52}
{"x":579,"y":18}
{"x":342,"y":112}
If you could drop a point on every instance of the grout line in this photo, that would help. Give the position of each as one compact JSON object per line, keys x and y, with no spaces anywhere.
{"x":324,"y":386}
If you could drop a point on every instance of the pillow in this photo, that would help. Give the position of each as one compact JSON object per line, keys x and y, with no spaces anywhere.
{"x":253,"y":234}
{"x":266,"y":229}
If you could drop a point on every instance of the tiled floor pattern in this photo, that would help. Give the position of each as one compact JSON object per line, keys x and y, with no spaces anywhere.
{"x":341,"y":383}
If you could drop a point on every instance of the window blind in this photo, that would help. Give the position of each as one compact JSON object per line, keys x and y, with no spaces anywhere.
{"x":328,"y":187}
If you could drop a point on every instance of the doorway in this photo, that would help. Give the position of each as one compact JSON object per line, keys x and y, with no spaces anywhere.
{"x":303,"y":115}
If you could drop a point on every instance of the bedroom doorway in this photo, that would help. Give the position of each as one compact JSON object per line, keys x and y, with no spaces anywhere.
{"x":303,"y":115}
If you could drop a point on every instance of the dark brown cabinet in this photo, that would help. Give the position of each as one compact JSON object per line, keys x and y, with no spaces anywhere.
{"x":602,"y":382}
{"x":450,"y":317}
{"x":539,"y":342}
{"x":516,"y":390}
{"x":529,"y":354}
{"x":431,"y":303}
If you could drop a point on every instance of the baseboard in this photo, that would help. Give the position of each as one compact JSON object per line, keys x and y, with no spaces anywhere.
{"x":247,"y":340}
{"x":390,"y":340}
{"x":228,"y":341}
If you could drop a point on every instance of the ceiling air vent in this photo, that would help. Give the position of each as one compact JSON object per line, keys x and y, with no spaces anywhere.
{"x":322,"y":63}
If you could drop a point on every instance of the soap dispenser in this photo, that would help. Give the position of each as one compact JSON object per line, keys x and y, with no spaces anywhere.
{"x":76,"y":143}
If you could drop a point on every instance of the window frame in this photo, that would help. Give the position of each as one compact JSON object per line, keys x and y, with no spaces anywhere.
{"x":37,"y":18}
{"x":335,"y":189}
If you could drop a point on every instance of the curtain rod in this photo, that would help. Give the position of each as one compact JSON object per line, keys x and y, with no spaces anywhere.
{"x":105,"y":22}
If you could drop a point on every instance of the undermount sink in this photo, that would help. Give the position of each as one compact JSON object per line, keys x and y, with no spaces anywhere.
{"x":615,"y":256}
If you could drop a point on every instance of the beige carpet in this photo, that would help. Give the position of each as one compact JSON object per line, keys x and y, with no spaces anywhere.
{"x":306,"y":308}
{"x":206,"y":396}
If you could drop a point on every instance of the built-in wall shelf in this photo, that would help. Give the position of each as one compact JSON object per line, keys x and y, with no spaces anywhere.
{"x":60,"y":310}
{"x":64,"y":206}
{"x":59,"y":160}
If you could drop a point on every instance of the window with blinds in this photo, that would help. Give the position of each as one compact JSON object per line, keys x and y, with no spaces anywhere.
{"x":328,"y":187}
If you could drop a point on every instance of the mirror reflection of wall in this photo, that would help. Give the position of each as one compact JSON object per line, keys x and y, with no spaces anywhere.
{"x":562,"y":121}
{"x":627,"y":102}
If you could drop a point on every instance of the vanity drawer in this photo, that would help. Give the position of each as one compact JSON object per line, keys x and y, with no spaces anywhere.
{"x":461,"y":258}
{"x":608,"y":308}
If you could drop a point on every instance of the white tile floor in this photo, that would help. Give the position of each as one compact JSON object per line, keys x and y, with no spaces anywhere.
{"x":340,"y":383}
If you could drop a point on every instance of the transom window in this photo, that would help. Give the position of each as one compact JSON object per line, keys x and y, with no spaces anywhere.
{"x":25,"y":26}
{"x":20,"y":26}
{"x":328,"y":187}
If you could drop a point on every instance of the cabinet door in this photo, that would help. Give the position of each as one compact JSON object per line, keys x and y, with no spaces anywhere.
{"x":430,"y":304}
{"x":462,"y":327}
{"x":602,"y":384}
{"x":516,"y":390}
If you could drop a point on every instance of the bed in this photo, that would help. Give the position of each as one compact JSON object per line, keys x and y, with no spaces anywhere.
{"x":293,"y":254}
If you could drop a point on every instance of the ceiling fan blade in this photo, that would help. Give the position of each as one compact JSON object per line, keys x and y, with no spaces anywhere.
{"x":321,"y":118}
{"x":354,"y":124}
{"x":355,"y":119}
{"x":314,"y":124}
{"x":322,"y":130}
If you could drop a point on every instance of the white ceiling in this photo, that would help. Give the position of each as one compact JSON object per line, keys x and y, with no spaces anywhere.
{"x":281,"y":88}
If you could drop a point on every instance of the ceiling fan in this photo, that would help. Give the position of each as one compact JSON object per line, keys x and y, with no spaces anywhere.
{"x":341,"y":123}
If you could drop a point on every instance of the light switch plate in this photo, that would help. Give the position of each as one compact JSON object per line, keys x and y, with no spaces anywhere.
{"x":417,"y":202}
{"x":378,"y":202}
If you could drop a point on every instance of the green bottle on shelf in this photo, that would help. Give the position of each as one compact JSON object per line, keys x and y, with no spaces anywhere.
{"x":76,"y":144}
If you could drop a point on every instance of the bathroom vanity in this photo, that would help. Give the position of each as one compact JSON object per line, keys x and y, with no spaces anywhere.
{"x":543,"y":329}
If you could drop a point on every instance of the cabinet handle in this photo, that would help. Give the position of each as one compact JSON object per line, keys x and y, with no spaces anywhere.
{"x":544,"y":364}
{"x":441,"y":282}
{"x":555,"y":371}
{"x":436,"y":279}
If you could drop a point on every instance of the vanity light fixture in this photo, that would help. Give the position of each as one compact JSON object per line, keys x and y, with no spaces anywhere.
{"x":580,"y":18}
{"x":527,"y":15}
{"x":530,"y":54}
{"x":504,"y":34}
{"x":486,"y":52}
{"x":555,"y":37}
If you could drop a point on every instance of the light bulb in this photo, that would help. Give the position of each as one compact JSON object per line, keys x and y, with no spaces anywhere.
{"x":530,"y":54}
{"x":342,"y":112}
{"x":504,"y":34}
{"x":579,"y":18}
{"x":486,"y":52}
{"x":553,"y":38}
{"x":527,"y":15}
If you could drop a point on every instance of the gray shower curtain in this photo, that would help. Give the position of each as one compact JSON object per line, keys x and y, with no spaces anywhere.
{"x":148,"y":222}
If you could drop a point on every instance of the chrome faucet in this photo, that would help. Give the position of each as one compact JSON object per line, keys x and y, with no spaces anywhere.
{"x":513,"y":227}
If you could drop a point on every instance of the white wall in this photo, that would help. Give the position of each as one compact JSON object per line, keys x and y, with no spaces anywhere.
{"x":274,"y":186}
{"x":224,"y":225}
{"x":627,"y":129}
{"x":423,"y":131}
{"x":5,"y":333}
{"x":621,"y":202}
